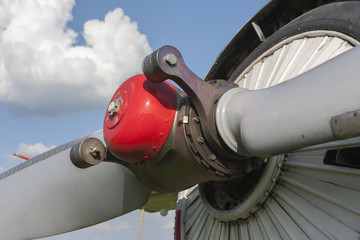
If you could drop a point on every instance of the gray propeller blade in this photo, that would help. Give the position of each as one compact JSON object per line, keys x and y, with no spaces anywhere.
{"x":49,"y":195}
{"x":319,"y":106}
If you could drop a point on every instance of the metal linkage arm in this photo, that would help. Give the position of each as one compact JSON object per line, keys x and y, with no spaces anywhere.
{"x":167,"y":63}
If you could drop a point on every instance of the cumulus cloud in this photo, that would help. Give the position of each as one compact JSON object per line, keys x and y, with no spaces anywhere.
{"x":43,"y":72}
{"x":9,"y":161}
{"x":31,"y":150}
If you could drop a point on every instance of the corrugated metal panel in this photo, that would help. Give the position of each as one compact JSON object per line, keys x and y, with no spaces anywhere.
{"x":293,"y":57}
{"x":283,"y":223}
{"x":337,"y":201}
{"x":194,"y":212}
{"x":269,"y":230}
{"x":348,"y":178}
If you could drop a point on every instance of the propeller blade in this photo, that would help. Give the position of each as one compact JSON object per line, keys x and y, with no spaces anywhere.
{"x":319,"y":106}
{"x":48,"y":195}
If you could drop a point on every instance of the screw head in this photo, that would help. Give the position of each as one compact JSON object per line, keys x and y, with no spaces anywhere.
{"x":114,"y":107}
{"x":94,"y":152}
{"x":171,"y":59}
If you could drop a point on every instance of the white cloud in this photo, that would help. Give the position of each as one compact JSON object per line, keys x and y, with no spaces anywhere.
{"x":42,"y":72}
{"x":31,"y":150}
{"x":106,"y":226}
{"x":124,"y":225}
{"x":170,"y":224}
{"x":7,"y":161}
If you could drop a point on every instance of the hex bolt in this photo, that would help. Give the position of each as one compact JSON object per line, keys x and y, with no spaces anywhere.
{"x":212,"y":157}
{"x":111,"y":107}
{"x":171,"y":59}
{"x":200,"y":140}
{"x":114,"y":107}
{"x":94,"y":152}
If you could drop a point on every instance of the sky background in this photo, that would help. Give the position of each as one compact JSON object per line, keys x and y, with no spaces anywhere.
{"x":61,"y":62}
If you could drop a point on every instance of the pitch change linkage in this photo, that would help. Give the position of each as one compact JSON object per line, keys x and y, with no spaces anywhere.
{"x":167,"y":63}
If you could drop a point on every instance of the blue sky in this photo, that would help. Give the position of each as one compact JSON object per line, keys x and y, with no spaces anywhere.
{"x":50,"y":93}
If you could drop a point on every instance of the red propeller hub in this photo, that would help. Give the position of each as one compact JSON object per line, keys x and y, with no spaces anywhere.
{"x":139,"y":119}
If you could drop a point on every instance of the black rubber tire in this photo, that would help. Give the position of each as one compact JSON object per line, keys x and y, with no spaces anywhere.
{"x":343,"y":17}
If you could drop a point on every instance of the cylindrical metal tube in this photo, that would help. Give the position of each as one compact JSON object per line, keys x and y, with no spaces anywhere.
{"x":87,"y":153}
{"x":295,"y":114}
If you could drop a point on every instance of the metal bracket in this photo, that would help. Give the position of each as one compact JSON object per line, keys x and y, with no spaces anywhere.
{"x":167,"y":63}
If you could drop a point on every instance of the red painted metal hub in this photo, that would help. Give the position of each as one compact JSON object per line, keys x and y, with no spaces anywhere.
{"x":139,"y":119}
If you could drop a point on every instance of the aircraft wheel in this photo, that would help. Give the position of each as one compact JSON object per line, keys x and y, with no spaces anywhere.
{"x":312,"y":193}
